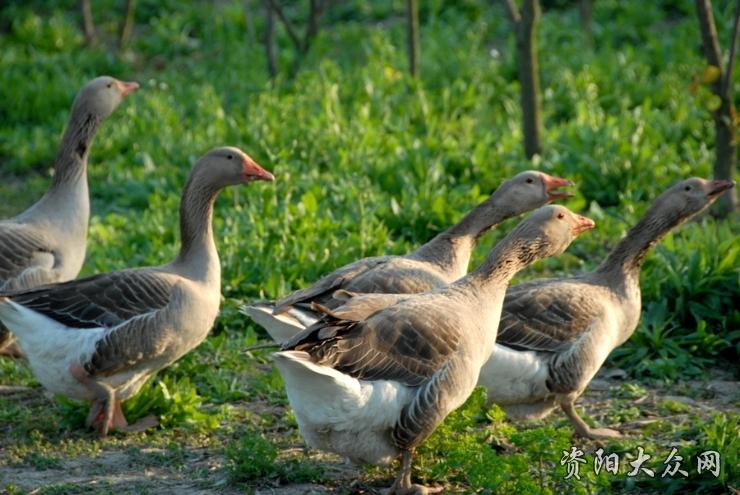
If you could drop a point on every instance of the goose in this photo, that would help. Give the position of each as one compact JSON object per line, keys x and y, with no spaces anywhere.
{"x":555,"y":334}
{"x":46,"y":243}
{"x":373,"y":389}
{"x":440,"y":261}
{"x":99,"y":338}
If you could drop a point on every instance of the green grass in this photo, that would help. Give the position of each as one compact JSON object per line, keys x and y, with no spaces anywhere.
{"x":370,"y":162}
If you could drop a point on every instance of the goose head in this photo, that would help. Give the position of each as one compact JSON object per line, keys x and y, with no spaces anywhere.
{"x":102,"y":95}
{"x":228,"y":166}
{"x":551,"y":229}
{"x":691,"y":196}
{"x":531,"y":189}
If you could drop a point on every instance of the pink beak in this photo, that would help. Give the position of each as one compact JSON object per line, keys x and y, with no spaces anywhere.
{"x":582,"y":225}
{"x":253,"y":171}
{"x":126,"y":88}
{"x":717,"y":187}
{"x":552,"y":183}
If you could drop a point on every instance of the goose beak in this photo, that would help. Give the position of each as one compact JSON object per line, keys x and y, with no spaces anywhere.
{"x":717,"y":187}
{"x":582,"y":224}
{"x":552,"y":183}
{"x":126,"y":88}
{"x":253,"y":171}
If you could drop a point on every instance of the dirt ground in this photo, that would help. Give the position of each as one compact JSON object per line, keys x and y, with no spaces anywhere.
{"x":127,"y":470}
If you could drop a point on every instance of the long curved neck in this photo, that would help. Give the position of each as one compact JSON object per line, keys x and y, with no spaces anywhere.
{"x":198,"y":258}
{"x":67,"y":202}
{"x":627,"y":257}
{"x":451,"y":249}
{"x":70,"y":166}
{"x":507,"y":258}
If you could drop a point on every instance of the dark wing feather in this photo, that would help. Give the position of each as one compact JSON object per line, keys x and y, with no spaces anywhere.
{"x":545,"y":316}
{"x":326,"y":285}
{"x":429,"y":407}
{"x":387,"y":275}
{"x":137,"y":341}
{"x":18,"y":247}
{"x":360,"y":306}
{"x":104,"y":300}
{"x":405,"y":342}
{"x":399,"y":277}
{"x":115,"y":351}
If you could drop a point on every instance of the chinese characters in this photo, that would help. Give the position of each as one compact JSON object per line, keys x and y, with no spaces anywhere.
{"x":573,"y":459}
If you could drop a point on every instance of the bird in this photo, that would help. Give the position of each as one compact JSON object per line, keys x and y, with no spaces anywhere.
{"x":46,"y":243}
{"x":374,"y":388}
{"x":101,"y":337}
{"x":555,"y":334}
{"x":440,"y":261}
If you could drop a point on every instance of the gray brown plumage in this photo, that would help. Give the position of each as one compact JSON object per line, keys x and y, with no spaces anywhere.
{"x":46,"y":243}
{"x":99,"y":338}
{"x":440,"y":261}
{"x":376,"y":388}
{"x":555,"y":334}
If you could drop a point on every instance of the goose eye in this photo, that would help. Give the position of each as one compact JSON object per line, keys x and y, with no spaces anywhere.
{"x":109,"y":85}
{"x":561,"y":215}
{"x":687,"y":188}
{"x":530,"y":180}
{"x":230,"y":157}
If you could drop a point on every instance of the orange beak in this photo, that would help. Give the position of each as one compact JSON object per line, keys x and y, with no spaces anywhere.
{"x":717,"y":187}
{"x":582,"y":225}
{"x":126,"y":88}
{"x":253,"y":171}
{"x":552,"y":183}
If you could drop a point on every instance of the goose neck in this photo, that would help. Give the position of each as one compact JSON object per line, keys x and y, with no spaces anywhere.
{"x":198,"y":258}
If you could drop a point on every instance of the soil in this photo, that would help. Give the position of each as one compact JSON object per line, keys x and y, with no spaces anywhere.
{"x":126,"y":470}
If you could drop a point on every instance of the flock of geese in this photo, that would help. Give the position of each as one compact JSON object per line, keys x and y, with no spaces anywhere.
{"x":375,"y":354}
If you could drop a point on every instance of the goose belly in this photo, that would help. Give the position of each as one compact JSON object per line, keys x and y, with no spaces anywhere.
{"x":363,"y":435}
{"x":52,"y":348}
{"x":514,"y":377}
{"x":340,"y":414}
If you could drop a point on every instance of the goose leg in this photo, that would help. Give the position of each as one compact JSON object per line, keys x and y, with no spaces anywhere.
{"x":8,"y":346}
{"x":149,"y":421}
{"x":403,"y":485}
{"x":120,"y":423}
{"x":96,"y":407}
{"x":101,"y":411}
{"x":582,"y":429}
{"x":119,"y":420}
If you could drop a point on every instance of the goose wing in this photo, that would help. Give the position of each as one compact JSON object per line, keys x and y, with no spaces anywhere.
{"x":406,"y":342}
{"x":326,"y":285}
{"x":546,"y":316}
{"x":22,"y":248}
{"x":104,"y":300}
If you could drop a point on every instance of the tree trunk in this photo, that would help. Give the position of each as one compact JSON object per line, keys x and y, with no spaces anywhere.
{"x":127,"y":24}
{"x":272,"y":67}
{"x":316,"y":9}
{"x":724,"y":117}
{"x":529,"y":77}
{"x":586,"y":10}
{"x":88,"y":26}
{"x":251,"y":36}
{"x":312,"y":28}
{"x":412,"y":18}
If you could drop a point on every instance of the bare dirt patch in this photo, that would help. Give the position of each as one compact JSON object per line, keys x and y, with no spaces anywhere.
{"x":138,"y":469}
